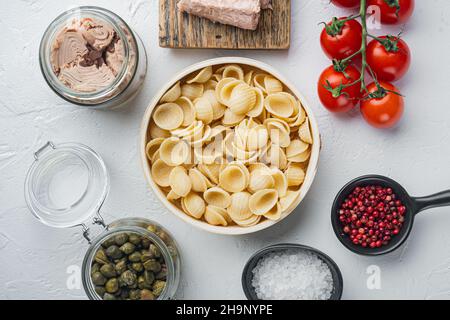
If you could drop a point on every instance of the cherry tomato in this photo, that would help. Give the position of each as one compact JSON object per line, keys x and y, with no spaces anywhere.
{"x":384,"y":111}
{"x":332,"y":79}
{"x":340,"y":39}
{"x":347,"y":3}
{"x":394,"y":11}
{"x":390,"y":60}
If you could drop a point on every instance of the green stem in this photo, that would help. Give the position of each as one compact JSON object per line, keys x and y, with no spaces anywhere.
{"x":363,"y":14}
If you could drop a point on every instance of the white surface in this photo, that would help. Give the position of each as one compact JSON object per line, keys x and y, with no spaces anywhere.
{"x":34,"y":258}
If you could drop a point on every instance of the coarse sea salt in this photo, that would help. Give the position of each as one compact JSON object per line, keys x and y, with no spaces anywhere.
{"x":292,"y":275}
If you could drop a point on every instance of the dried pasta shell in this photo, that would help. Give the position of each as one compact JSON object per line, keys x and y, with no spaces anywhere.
{"x":180,"y":182}
{"x":279,"y":132}
{"x":208,"y":154}
{"x":288,"y":200}
{"x":239,"y":209}
{"x":202,"y":77}
{"x":156,"y":132}
{"x":161,"y":173}
{"x":280,"y":182}
{"x":213,"y":217}
{"x":262,"y":201}
{"x":211,"y":85}
{"x":300,"y":118}
{"x":233,"y":71}
{"x":200,"y":183}
{"x":250,"y":222}
{"x":168,"y":116}
{"x":272,"y":85}
{"x":233,"y":179}
{"x":279,"y":105}
{"x":275,"y":156}
{"x":156,"y":156}
{"x":231,"y":119}
{"x":218,"y":108}
{"x":261,"y":180}
{"x":257,"y":166}
{"x":172,"y":94}
{"x":258,"y":81}
{"x":171,"y":196}
{"x":295,"y":148}
{"x":258,"y":107}
{"x":242,"y":99}
{"x":217,"y":77}
{"x":211,"y":171}
{"x":192,"y":91}
{"x":303,"y":157}
{"x":258,"y":138}
{"x":204,"y":110}
{"x":295,"y":175}
{"x":174,"y":152}
{"x":193,"y":205}
{"x":305,"y":132}
{"x":188,"y":111}
{"x":248,"y":77}
{"x":217,"y":197}
{"x":275,"y":213}
{"x":225,"y":89}
{"x":152,"y":147}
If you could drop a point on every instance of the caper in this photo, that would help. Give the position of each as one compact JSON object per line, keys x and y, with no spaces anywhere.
{"x":147,"y":295}
{"x":152,"y":265}
{"x":114,"y":252}
{"x":152,"y":228}
{"x":135,"y":257}
{"x":143,"y":283}
{"x":108,"y":270}
{"x":149,"y":277}
{"x":98,"y":279}
{"x":121,"y":267}
{"x":146,"y":243}
{"x":162,"y":275}
{"x":128,"y":278}
{"x":120,"y":239}
{"x":146,"y":255}
{"x":112,"y":285}
{"x":158,"y":287}
{"x":124,"y":294}
{"x":128,"y":248}
{"x":100,"y":257}
{"x":137,"y":266}
{"x":100,"y":290}
{"x":135,"y":294}
{"x":134,"y":239}
{"x":164,"y":237}
{"x":155,"y":251}
{"x":108,"y":242}
{"x":108,"y":296}
{"x":95,"y":267}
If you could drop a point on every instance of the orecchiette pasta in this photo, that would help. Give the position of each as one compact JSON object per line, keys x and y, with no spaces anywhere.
{"x":230,"y":145}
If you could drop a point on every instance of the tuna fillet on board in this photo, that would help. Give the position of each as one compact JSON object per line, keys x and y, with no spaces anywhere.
{"x":240,"y":13}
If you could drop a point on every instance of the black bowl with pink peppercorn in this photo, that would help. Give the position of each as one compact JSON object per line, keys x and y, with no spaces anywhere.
{"x":374,"y":215}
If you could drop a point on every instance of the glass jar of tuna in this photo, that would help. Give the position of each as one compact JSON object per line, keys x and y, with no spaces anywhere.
{"x":129,"y":259}
{"x":89,"y":56}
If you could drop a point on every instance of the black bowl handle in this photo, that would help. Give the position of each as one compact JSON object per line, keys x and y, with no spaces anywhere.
{"x":441,"y":199}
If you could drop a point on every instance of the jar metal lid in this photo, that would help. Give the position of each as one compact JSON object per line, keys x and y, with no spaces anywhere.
{"x":66,"y":185}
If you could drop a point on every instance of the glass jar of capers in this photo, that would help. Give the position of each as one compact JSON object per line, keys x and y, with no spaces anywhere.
{"x":136,"y":259}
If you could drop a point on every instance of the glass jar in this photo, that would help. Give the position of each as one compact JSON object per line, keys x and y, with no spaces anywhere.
{"x":66,"y":187}
{"x":159,"y":236}
{"x":129,"y":78}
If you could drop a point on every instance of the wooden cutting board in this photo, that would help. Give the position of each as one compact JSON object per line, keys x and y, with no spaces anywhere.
{"x":181,"y":30}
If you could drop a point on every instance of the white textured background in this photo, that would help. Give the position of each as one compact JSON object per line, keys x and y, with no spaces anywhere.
{"x":34,"y":258}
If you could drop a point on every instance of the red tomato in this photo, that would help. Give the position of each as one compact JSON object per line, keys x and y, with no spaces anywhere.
{"x":390,"y":62}
{"x":340,"y":40}
{"x":347,"y":3}
{"x":384,"y":111}
{"x":394,"y":11}
{"x":330,"y":78}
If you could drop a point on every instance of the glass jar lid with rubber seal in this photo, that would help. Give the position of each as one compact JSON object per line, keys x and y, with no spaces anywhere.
{"x":129,"y":259}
